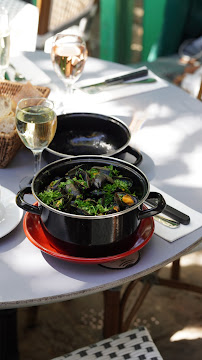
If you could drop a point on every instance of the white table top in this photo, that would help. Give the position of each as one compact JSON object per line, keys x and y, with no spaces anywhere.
{"x":170,"y":141}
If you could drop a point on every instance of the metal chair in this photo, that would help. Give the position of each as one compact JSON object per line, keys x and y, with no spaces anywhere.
{"x":135,"y":344}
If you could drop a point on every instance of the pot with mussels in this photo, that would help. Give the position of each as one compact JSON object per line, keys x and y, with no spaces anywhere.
{"x":91,"y":204}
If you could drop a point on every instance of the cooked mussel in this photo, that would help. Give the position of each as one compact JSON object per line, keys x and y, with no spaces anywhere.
{"x":82,"y":179}
{"x":125,"y":200}
{"x":83,"y":207}
{"x":123,"y":183}
{"x":72,"y":189}
{"x":63,"y":203}
{"x":73,"y":171}
{"x":101,"y":170}
{"x":54,"y":185}
{"x":114,"y":208}
{"x":100,"y":179}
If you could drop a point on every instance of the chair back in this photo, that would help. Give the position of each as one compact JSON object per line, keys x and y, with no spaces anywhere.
{"x":58,"y":15}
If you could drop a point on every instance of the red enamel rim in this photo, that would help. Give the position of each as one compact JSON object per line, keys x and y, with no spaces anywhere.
{"x":39,"y":237}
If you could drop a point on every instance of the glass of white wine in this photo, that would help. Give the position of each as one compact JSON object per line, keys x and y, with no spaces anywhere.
{"x":68,"y":55}
{"x":36,"y":124}
{"x":4,"y":42}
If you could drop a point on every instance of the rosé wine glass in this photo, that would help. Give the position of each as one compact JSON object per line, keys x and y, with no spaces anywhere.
{"x":68,"y":55}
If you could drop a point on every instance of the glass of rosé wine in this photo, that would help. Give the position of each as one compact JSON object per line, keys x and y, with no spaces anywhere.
{"x":68,"y":55}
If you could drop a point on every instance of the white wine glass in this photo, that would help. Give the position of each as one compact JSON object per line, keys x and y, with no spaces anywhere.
{"x":68,"y":55}
{"x":4,"y":42}
{"x":36,"y":124}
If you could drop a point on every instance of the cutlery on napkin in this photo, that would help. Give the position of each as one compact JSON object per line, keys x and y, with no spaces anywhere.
{"x":101,"y":91}
{"x":117,"y":79}
{"x":94,"y":89}
{"x":175,"y":234}
{"x":173,"y":213}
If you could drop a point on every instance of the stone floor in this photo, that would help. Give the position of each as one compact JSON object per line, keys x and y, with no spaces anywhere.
{"x":173,"y":317}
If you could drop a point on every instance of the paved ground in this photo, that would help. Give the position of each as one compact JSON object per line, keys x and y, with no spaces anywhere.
{"x":173,"y":317}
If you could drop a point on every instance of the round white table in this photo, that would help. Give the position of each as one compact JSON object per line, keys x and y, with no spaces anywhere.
{"x":31,"y":277}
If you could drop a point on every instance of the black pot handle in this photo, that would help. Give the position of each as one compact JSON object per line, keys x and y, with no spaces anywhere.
{"x":160,"y":205}
{"x":134,"y":152}
{"x":37,"y":210}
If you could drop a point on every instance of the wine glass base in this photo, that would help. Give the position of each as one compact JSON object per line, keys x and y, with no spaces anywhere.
{"x":26,"y":181}
{"x":65,"y":103}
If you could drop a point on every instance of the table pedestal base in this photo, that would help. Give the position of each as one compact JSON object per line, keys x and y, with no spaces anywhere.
{"x":8,"y":335}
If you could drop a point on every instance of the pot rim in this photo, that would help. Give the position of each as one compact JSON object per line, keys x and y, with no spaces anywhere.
{"x":110,"y":118}
{"x":88,"y":159}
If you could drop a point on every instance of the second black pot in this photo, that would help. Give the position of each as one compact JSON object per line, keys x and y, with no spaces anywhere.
{"x":90,"y":134}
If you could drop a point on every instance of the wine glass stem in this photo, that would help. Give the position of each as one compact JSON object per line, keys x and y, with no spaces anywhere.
{"x":69,"y":88}
{"x":2,"y":74}
{"x":37,"y":161}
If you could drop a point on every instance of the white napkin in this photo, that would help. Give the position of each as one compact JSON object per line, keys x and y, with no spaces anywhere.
{"x":29,"y":70}
{"x":118,"y":91}
{"x":174,"y":234}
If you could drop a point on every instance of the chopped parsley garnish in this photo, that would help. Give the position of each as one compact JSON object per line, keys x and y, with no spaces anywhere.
{"x":77,"y":192}
{"x":49,"y":196}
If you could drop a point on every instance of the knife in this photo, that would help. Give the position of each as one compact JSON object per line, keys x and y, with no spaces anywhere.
{"x":119,"y":79}
{"x":172,"y":212}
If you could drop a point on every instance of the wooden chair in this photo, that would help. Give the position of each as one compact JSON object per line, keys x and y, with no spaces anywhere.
{"x":199,"y":97}
{"x":58,"y":15}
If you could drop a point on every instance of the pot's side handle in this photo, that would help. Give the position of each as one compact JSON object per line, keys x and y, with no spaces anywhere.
{"x":25,"y":205}
{"x":134,"y":152}
{"x":153,"y":210}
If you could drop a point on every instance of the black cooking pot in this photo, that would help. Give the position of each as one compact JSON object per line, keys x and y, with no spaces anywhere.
{"x":91,"y":235}
{"x":90,"y":134}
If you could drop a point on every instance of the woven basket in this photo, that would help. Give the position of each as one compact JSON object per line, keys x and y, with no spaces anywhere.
{"x":12,"y":88}
{"x":10,"y":143}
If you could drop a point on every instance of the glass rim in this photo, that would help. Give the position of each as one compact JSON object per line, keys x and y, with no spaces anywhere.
{"x":51,"y":108}
{"x":61,"y":35}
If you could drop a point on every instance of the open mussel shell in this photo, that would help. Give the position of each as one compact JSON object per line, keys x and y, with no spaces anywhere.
{"x":124,"y":183}
{"x":125,"y":200}
{"x":54,"y":185}
{"x":77,"y":209}
{"x":72,"y":189}
{"x":99,"y":180}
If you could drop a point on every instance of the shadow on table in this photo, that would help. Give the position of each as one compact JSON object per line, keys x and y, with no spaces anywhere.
{"x":8,"y":243}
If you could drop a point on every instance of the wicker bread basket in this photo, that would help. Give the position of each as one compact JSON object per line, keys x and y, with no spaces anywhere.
{"x":10,"y":143}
